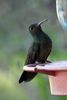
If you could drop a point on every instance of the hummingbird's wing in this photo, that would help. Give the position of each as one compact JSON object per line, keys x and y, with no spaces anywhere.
{"x":31,"y":59}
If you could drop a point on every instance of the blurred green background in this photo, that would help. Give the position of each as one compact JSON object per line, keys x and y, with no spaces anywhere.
{"x":15,"y":18}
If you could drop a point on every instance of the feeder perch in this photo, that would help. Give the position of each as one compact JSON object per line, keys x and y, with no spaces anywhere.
{"x":57,"y":74}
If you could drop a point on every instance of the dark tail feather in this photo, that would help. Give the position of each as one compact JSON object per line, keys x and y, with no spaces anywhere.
{"x":22,"y":77}
{"x":27,"y":76}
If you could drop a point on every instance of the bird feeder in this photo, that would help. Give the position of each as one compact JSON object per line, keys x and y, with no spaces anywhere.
{"x":61,"y":8}
{"x":57,"y":74}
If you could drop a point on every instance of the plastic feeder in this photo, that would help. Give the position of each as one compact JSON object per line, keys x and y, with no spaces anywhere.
{"x":57,"y":74}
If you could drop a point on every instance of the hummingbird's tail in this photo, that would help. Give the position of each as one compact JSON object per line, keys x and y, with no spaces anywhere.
{"x":27,"y":76}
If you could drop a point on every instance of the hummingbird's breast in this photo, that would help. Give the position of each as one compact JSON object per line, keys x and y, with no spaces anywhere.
{"x":45,"y":45}
{"x":44,"y":48}
{"x":44,"y":51}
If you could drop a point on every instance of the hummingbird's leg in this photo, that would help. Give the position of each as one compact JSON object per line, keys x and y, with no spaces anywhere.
{"x":47,"y":61}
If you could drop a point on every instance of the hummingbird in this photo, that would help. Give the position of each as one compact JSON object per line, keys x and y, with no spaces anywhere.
{"x":38,"y":51}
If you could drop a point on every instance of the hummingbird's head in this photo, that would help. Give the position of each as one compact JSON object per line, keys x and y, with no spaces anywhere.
{"x":37,"y":26}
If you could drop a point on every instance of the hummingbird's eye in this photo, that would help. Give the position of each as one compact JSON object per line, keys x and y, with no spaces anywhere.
{"x":32,"y":28}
